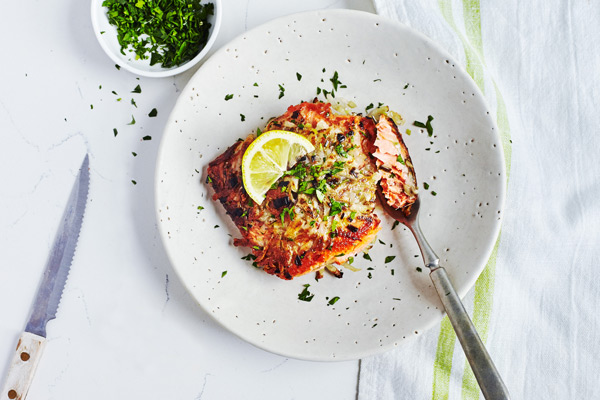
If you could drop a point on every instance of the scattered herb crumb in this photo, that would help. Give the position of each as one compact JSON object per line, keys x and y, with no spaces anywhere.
{"x":406,"y":86}
{"x":117,"y":66}
{"x":426,"y":185}
{"x":242,"y":117}
{"x":133,"y":103}
{"x":216,"y":226}
{"x":433,"y":193}
{"x":137,"y":89}
{"x":419,"y":269}
{"x":147,"y":137}
{"x":255,"y":84}
{"x":153,"y":113}
{"x":333,"y":300}
{"x":305,"y":295}
{"x":389,"y":259}
{"x":132,"y":121}
{"x":115,"y":131}
{"x":228,"y":97}
{"x":223,"y":273}
{"x":426,"y":125}
{"x":134,"y":153}
{"x":298,"y":76}
{"x":91,"y":106}
{"x":281,"y":91}
{"x":366,"y":256}
{"x":134,"y":182}
{"x":395,"y":224}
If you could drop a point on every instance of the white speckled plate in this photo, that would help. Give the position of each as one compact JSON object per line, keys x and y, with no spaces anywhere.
{"x":379,"y":61}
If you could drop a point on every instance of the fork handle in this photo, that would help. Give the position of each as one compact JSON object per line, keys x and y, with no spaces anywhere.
{"x":485,"y":371}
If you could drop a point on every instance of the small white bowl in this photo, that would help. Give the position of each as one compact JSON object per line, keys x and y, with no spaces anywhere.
{"x":109,"y":43}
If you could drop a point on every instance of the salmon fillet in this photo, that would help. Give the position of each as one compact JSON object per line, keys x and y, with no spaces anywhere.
{"x":322,"y":211}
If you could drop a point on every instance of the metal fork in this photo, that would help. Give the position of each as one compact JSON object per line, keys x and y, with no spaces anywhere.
{"x":485,"y":371}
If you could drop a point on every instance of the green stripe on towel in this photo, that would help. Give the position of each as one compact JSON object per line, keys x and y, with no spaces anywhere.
{"x":484,"y":287}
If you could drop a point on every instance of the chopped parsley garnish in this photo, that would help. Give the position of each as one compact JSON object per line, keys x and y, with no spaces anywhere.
{"x":298,"y":76}
{"x":395,"y":224}
{"x":223,"y":273}
{"x":340,"y":150}
{"x":305,"y":295}
{"x":137,"y":89}
{"x":408,"y":132}
{"x":400,"y":159}
{"x":153,"y":113}
{"x":132,"y":121}
{"x":426,"y":185}
{"x":258,"y":132}
{"x":115,"y":131}
{"x":249,"y":257}
{"x":200,"y":208}
{"x":147,"y":137}
{"x":255,"y":84}
{"x":433,"y":193}
{"x":216,"y":226}
{"x":242,"y":117}
{"x":134,"y":182}
{"x":419,"y":269}
{"x":338,"y":167}
{"x":367,"y":108}
{"x":288,"y":211}
{"x":228,"y":97}
{"x":134,"y":153}
{"x":352,"y":214}
{"x":366,"y":256}
{"x":281,"y":91}
{"x":406,"y":86}
{"x":166,"y":32}
{"x":336,"y":207}
{"x":389,"y":259}
{"x":369,"y":275}
{"x":133,"y":103}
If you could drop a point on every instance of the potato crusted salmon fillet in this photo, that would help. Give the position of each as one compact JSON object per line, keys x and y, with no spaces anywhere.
{"x":321,"y":212}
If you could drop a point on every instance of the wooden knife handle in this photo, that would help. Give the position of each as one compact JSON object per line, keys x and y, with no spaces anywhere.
{"x":23,"y":365}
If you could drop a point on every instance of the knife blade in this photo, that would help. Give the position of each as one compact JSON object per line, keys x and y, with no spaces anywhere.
{"x":32,"y":341}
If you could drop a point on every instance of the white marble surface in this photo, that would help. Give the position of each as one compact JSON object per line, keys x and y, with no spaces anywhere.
{"x":126,"y":328}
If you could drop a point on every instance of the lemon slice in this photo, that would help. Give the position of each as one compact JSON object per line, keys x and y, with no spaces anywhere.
{"x":268,"y":157}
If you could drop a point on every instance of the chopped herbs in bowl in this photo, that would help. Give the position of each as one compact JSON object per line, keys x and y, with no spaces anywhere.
{"x":156,"y":38}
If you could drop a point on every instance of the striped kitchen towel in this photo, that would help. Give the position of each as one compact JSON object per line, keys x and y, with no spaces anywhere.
{"x":535,"y":305}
